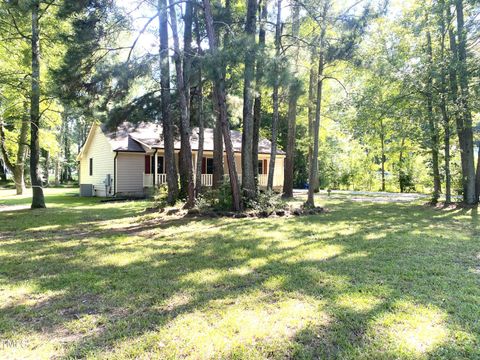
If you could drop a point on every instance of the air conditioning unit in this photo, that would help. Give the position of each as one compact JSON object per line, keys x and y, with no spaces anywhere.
{"x":87,"y":190}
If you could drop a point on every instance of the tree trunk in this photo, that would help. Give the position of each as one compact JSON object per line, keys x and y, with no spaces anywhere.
{"x":46,"y":167}
{"x":3,"y":173}
{"x":434,"y":142}
{"x":201,"y":132}
{"x":257,"y":106}
{"x":248,"y":176}
{"x":19,"y":179}
{"x":313,"y":178}
{"x":186,"y":150}
{"x":443,"y":105}
{"x":219,"y":83}
{"x":313,"y":81}
{"x":276,"y":86}
{"x":218,"y":141}
{"x":292,"y":113}
{"x":467,"y":133}
{"x":67,"y":170}
{"x":477,"y":174}
{"x":38,"y":200}
{"x":400,"y":167}
{"x":453,"y":83}
{"x":218,"y":170}
{"x":382,"y":144}
{"x":168,"y":136}
{"x":17,"y":169}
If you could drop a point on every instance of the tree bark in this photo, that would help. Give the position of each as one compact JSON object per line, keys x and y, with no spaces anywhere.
{"x":218,"y":141}
{"x":434,"y":141}
{"x":46,"y":166}
{"x":17,"y":169}
{"x":168,"y":134}
{"x":276,"y":86}
{"x":453,"y":83}
{"x":201,"y":127}
{"x":219,"y":83}
{"x":186,"y":150}
{"x":248,"y":176}
{"x":218,"y":170}
{"x":38,"y":199}
{"x":443,"y":104}
{"x":382,"y":146}
{"x":292,"y":113}
{"x":400,"y":167}
{"x":257,"y":106}
{"x":467,"y":133}
{"x":3,"y":173}
{"x":313,"y":178}
{"x":313,"y":80}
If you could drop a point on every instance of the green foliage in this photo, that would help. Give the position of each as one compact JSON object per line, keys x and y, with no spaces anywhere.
{"x":160,"y":197}
{"x":216,"y":199}
{"x":266,"y":202}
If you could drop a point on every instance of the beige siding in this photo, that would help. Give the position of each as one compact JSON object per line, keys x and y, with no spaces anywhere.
{"x":98,"y":149}
{"x":279,"y":167}
{"x":278,"y":172}
{"x":130,"y":170}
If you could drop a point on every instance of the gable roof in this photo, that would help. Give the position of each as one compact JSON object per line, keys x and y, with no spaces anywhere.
{"x":135,"y":138}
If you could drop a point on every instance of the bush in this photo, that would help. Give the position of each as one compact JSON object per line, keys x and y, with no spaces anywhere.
{"x":267,"y":202}
{"x":160,"y":196}
{"x":216,"y":199}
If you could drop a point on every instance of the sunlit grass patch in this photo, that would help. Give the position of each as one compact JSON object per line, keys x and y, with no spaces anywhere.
{"x":412,"y":329}
{"x":358,"y":302}
{"x":366,"y":280}
{"x":243,"y":329}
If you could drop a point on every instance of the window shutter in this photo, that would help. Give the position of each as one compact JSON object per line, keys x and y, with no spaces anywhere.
{"x":147,"y":164}
{"x":265,"y":166}
{"x":204,"y":165}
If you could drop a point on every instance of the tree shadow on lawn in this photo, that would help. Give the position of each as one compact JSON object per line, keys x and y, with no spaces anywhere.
{"x":67,"y":213}
{"x":358,"y":262}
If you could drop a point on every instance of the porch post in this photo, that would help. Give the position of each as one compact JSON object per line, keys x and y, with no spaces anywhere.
{"x":194,"y":167}
{"x":155,"y":176}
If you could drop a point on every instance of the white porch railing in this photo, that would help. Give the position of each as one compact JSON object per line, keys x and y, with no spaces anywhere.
{"x":148,"y":180}
{"x":207,"y":179}
{"x":262,"y":179}
{"x":277,"y":180}
{"x":161,"y":179}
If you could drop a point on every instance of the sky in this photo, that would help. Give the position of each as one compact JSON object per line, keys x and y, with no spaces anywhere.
{"x":141,"y":12}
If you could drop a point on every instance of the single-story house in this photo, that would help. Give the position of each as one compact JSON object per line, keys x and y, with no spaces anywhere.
{"x":130,"y":159}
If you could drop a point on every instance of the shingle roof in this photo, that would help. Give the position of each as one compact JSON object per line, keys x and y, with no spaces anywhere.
{"x":128,"y":137}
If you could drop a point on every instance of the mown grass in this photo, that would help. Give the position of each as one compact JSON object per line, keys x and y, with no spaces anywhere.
{"x":367,"y":280}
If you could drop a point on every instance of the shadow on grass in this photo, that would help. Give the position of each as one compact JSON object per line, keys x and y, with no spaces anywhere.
{"x":388,"y":254}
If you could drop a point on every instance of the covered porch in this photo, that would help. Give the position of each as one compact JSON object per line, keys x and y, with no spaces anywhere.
{"x":155,"y":174}
{"x":148,"y":179}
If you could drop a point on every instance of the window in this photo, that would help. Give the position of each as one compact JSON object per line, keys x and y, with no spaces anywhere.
{"x":90,"y":169}
{"x":160,"y":167}
{"x":207,"y":165}
{"x":262,"y":167}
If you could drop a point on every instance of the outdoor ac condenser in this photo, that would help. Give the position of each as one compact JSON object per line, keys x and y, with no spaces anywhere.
{"x":87,"y":190}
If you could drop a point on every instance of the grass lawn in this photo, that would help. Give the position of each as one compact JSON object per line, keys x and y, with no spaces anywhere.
{"x":368,"y":280}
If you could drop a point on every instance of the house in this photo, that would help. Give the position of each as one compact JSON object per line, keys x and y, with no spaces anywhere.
{"x":130,"y":159}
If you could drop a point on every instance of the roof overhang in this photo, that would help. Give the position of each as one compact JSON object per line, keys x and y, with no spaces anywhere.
{"x":88,"y":140}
